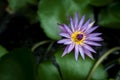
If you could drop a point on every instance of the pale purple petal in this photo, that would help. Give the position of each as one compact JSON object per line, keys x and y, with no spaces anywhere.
{"x":89,"y":26}
{"x":71,"y":24}
{"x":81,"y":22}
{"x":76,"y":52}
{"x":76,"y":20}
{"x":65,"y":35}
{"x":67,"y":29}
{"x":88,"y":53}
{"x":68,"y":42}
{"x":70,"y":48}
{"x":85,"y":25}
{"x":92,"y":43}
{"x":95,"y":38}
{"x":65,"y":51}
{"x":62,"y":28}
{"x":94,"y":34}
{"x":89,"y":48}
{"x":63,"y":41}
{"x":91,"y":30}
{"x":81,"y":52}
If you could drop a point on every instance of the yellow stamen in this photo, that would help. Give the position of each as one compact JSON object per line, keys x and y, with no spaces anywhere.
{"x":75,"y":37}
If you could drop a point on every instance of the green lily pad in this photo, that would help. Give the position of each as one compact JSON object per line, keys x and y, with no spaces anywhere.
{"x":16,"y":5}
{"x":100,"y":2}
{"x":18,"y":65}
{"x":23,"y":7}
{"x":3,"y":51}
{"x":47,"y":71}
{"x":117,"y":76}
{"x":110,"y":16}
{"x":50,"y":13}
{"x":78,"y":70}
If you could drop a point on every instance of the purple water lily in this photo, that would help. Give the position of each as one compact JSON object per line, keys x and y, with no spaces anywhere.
{"x":79,"y":37}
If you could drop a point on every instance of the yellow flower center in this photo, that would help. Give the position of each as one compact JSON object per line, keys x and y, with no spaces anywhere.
{"x":78,"y":37}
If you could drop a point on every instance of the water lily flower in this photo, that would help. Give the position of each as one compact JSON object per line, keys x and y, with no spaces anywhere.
{"x":80,"y":37}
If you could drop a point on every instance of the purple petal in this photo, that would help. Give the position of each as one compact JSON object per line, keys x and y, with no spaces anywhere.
{"x":88,"y":53}
{"x":68,"y":42}
{"x":89,"y":48}
{"x":84,"y":27}
{"x":95,"y":38}
{"x":65,"y":35}
{"x":91,"y":29}
{"x":62,"y":28}
{"x":67,"y":29}
{"x":89,"y":26}
{"x":76,"y":52}
{"x":76,"y":20}
{"x":65,"y":51}
{"x":71,"y":24}
{"x":81,"y":22}
{"x":92,"y":43}
{"x":94,"y":34}
{"x":70,"y":48}
{"x":63,"y":41}
{"x":81,"y":52}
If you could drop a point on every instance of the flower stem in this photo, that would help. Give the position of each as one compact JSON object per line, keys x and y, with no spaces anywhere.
{"x":39,"y":44}
{"x":100,"y":60}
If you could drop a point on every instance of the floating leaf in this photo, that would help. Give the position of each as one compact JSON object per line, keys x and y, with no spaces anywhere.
{"x":3,"y":51}
{"x":25,"y":8}
{"x":17,"y":65}
{"x":118,"y":76}
{"x":110,"y":17}
{"x":52,"y":12}
{"x":100,"y":2}
{"x":78,"y":70}
{"x":16,"y":5}
{"x":47,"y":71}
